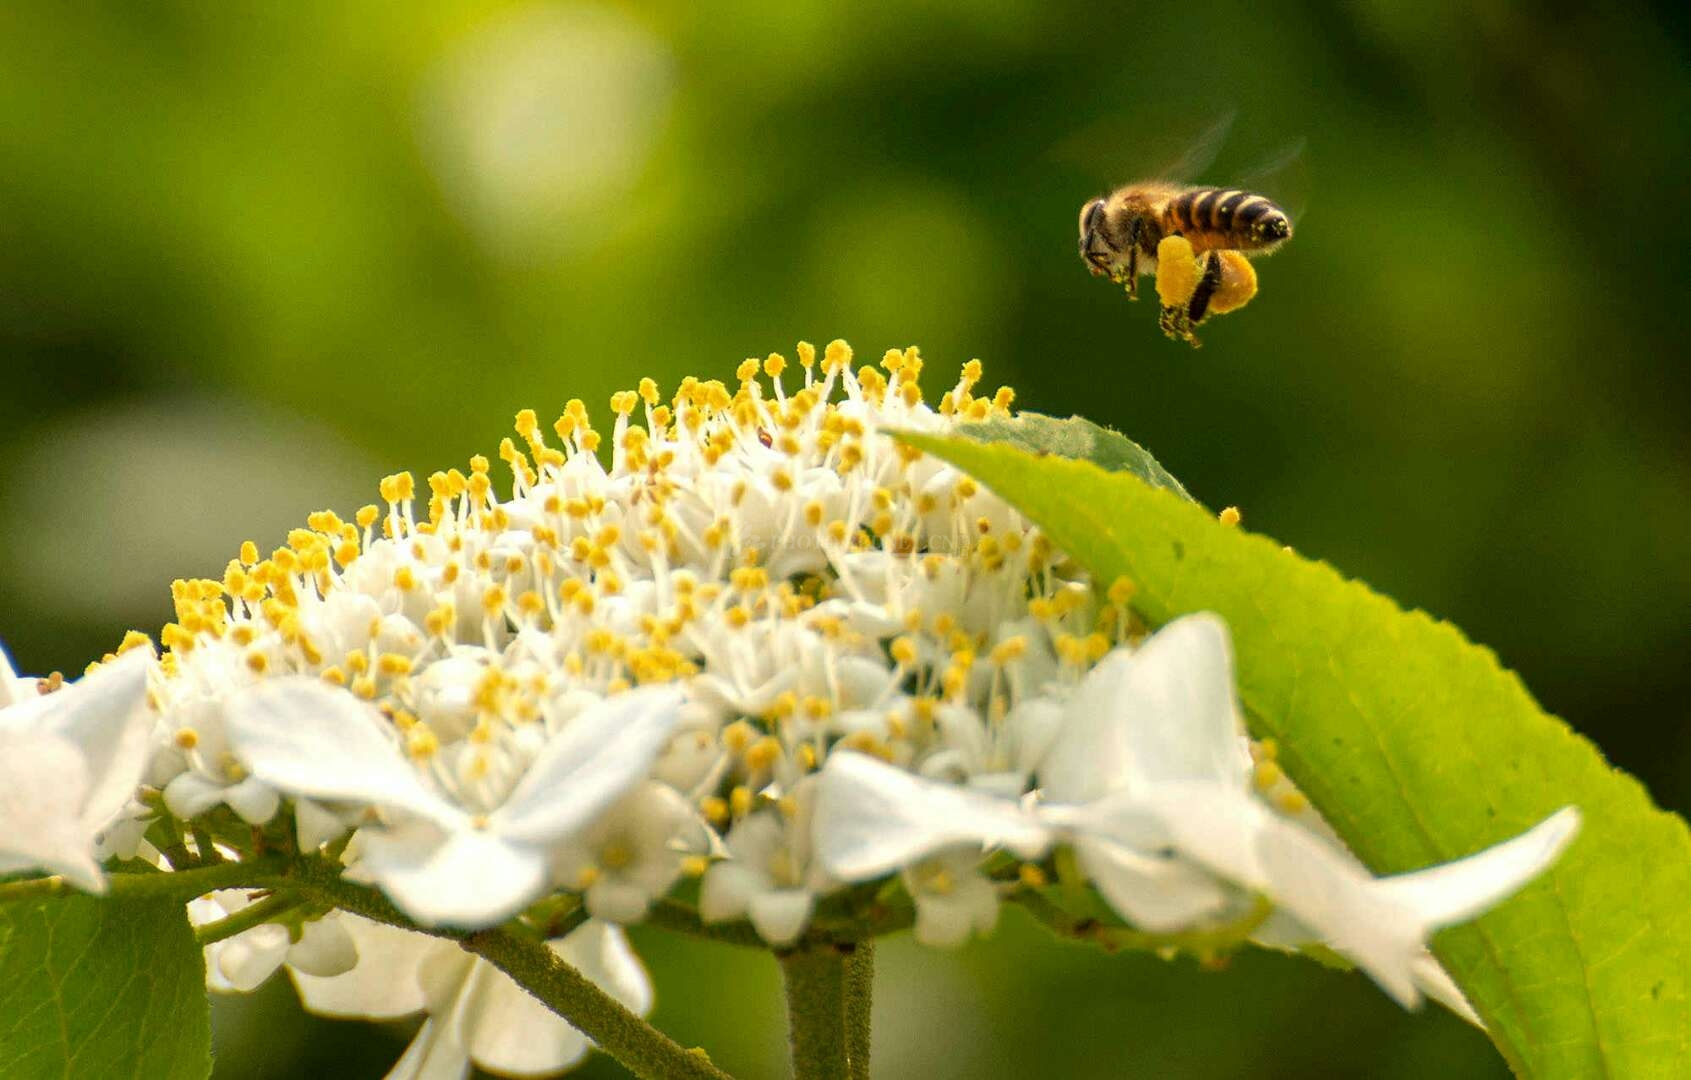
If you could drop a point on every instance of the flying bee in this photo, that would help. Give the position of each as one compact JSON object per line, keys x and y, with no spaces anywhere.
{"x":1195,"y":239}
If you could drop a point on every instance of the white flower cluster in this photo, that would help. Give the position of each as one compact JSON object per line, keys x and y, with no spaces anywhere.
{"x":769,"y":646}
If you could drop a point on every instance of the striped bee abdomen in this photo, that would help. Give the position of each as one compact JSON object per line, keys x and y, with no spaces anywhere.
{"x":1227,"y":218}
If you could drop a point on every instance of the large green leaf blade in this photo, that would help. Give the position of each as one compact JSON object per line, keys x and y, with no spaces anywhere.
{"x":1419,"y":748}
{"x":1078,"y":438}
{"x":99,"y":988}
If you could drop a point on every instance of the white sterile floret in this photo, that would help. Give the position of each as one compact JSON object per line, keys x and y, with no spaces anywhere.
{"x":770,"y":876}
{"x":954,"y":900}
{"x":241,"y":963}
{"x":474,"y":1014}
{"x":633,"y":854}
{"x":70,"y":761}
{"x":450,"y":851}
{"x":1149,"y":781}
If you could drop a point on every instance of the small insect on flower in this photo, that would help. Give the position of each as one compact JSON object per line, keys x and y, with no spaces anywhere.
{"x":1193,"y":238}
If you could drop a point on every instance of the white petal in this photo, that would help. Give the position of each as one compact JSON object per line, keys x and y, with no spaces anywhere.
{"x":383,"y":985}
{"x":1457,"y":891}
{"x":780,"y":916}
{"x":1437,"y":984}
{"x":43,"y":783}
{"x":872,"y":818}
{"x":316,"y":824}
{"x":1157,"y":895}
{"x":462,"y":877}
{"x":1089,"y":755}
{"x":587,"y":766}
{"x":248,"y":959}
{"x":105,"y":714}
{"x":324,"y":948}
{"x":726,"y":892}
{"x":1329,"y":894}
{"x":432,"y":1055}
{"x":306,"y":737}
{"x":253,"y":800}
{"x":947,"y":920}
{"x":603,"y":954}
{"x":941,"y":922}
{"x":1166,"y":712}
{"x":192,"y":794}
{"x":617,"y":901}
{"x":507,"y":1031}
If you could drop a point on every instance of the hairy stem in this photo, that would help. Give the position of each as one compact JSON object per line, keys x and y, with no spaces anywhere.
{"x":182,"y":885}
{"x":815,"y":977}
{"x":254,"y":914}
{"x":860,"y":998}
{"x":637,"y":1045}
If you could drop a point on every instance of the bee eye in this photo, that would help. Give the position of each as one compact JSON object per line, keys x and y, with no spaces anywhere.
{"x":1093,"y":213}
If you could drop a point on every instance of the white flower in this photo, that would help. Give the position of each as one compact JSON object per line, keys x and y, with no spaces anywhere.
{"x":475,"y":1014}
{"x":1149,"y":780}
{"x":770,"y":876}
{"x":242,"y":963}
{"x":14,"y":688}
{"x":443,"y":857}
{"x":69,"y":762}
{"x":954,"y":900}
{"x":632,"y":854}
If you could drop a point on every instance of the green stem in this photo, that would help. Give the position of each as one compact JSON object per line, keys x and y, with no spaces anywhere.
{"x":642,"y":1049}
{"x":860,"y":998}
{"x":182,"y":885}
{"x":816,"y":1012}
{"x":254,"y":914}
{"x":637,"y":1045}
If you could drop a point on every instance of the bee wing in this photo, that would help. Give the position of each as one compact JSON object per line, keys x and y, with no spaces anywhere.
{"x":1201,"y":153}
{"x":1284,"y":176}
{"x":1097,"y":149}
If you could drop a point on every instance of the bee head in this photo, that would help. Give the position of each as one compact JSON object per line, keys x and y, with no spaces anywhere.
{"x":1093,"y":246}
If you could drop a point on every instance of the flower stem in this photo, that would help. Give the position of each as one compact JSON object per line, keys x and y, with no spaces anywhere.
{"x":816,"y":1012}
{"x":637,"y":1045}
{"x":182,"y":885}
{"x":254,"y":914}
{"x":860,"y":991}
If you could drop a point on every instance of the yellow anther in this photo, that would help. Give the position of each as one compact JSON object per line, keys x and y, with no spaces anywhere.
{"x":738,"y":736}
{"x":1292,"y":802}
{"x":740,"y":801}
{"x":391,"y":664}
{"x":1267,"y":775}
{"x":715,"y":810}
{"x":1229,"y":516}
{"x":1010,"y":649}
{"x":903,"y":650}
{"x":764,"y":753}
{"x":187,"y":738}
{"x":1032,"y":876}
{"x":1121,"y":591}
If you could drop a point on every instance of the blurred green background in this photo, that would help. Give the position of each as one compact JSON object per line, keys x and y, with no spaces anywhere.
{"x":252,"y":259}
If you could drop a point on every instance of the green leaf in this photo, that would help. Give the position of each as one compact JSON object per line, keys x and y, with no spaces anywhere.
{"x":1419,"y":748}
{"x":101,"y":988}
{"x":1078,"y":438}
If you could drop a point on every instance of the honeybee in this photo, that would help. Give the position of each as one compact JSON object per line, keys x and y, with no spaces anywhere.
{"x":1194,"y":239}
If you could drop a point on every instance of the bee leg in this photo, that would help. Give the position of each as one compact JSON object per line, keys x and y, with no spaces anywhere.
{"x":1179,"y":280}
{"x":1199,"y":306}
